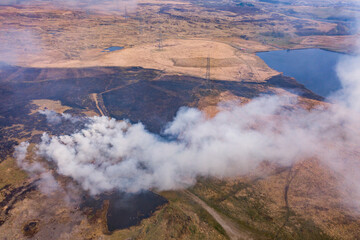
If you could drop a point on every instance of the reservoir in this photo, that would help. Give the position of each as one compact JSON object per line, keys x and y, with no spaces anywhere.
{"x":315,"y":68}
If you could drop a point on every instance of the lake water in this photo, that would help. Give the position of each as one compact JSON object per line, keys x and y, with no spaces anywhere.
{"x":315,"y":68}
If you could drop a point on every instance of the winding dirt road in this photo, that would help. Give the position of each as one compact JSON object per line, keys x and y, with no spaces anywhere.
{"x":230,"y":227}
{"x":94,"y":98}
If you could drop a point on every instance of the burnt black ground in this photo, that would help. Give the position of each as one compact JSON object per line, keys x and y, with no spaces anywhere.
{"x":128,"y":93}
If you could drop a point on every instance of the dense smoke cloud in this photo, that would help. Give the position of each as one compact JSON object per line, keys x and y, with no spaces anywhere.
{"x":110,"y":154}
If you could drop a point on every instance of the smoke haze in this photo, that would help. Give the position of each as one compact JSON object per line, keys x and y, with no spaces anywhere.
{"x":18,"y":45}
{"x":111,"y":6}
{"x":46,"y":181}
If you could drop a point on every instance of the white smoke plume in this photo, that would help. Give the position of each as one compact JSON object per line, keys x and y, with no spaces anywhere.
{"x":55,"y":118}
{"x":110,"y":154}
{"x":349,"y":73}
{"x":46,"y":181}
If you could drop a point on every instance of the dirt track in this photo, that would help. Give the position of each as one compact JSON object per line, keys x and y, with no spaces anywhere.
{"x":230,"y":227}
{"x":94,"y":98}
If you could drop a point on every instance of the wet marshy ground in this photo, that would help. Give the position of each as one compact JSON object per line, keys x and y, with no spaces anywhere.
{"x":123,"y":210}
{"x":31,"y":228}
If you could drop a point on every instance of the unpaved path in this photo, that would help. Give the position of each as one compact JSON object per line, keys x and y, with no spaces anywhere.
{"x":291,"y":175}
{"x":230,"y":227}
{"x":94,"y":97}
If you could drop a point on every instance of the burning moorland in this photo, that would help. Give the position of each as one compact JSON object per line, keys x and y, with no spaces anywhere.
{"x":157,"y":120}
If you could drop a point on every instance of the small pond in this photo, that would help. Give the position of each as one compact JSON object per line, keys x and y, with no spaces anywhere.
{"x":124,"y":210}
{"x":112,"y":49}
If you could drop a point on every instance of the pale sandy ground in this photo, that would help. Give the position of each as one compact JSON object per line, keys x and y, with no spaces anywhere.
{"x":43,"y":104}
{"x":56,"y":106}
{"x":336,"y":43}
{"x":226,"y":62}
